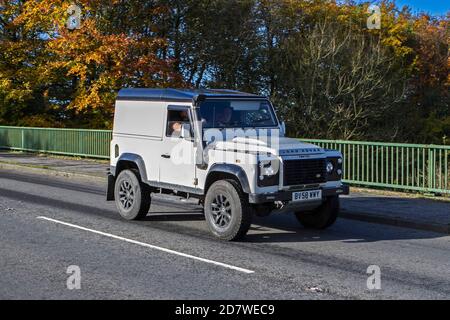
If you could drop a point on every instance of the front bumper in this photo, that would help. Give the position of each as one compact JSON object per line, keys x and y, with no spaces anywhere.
{"x":287,"y":195}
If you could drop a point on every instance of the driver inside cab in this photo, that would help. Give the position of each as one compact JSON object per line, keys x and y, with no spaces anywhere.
{"x":177,"y":119}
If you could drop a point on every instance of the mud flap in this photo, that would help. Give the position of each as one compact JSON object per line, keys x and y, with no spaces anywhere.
{"x":110,"y":189}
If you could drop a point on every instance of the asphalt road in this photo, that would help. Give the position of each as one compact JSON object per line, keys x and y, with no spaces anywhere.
{"x":48,"y":224}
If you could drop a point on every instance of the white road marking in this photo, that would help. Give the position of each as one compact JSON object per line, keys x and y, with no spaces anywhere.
{"x":143,"y":244}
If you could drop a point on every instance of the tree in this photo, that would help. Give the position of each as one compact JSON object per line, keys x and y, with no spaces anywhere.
{"x":214,"y":43}
{"x":430,"y":83}
{"x":332,"y":78}
{"x":327,"y":73}
{"x":22,"y":87}
{"x":83,"y":69}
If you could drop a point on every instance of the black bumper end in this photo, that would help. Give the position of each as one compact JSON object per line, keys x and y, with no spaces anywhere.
{"x":287,"y":195}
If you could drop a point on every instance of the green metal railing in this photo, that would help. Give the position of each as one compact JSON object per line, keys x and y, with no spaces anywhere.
{"x":414,"y":167}
{"x":73,"y":142}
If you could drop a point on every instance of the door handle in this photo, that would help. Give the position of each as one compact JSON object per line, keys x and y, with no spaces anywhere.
{"x":166,"y":156}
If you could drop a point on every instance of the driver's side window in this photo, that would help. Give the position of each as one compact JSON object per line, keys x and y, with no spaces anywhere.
{"x":176,"y":118}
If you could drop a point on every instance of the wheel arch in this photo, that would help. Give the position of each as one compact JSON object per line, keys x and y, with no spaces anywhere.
{"x":131,"y":161}
{"x":227,"y":171}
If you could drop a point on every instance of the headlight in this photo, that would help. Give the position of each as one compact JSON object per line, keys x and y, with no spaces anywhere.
{"x":268,"y":172}
{"x":334,"y":168}
{"x":330,"y":167}
{"x":265,"y":169}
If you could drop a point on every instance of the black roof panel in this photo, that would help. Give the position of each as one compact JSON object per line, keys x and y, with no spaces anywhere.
{"x":179,"y":94}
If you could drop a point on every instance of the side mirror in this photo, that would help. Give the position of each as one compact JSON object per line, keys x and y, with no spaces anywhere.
{"x":283,"y":129}
{"x":186,"y":131}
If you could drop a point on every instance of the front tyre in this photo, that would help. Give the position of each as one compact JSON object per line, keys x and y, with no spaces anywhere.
{"x":322,"y":217}
{"x":131,"y":195}
{"x":227,"y":211}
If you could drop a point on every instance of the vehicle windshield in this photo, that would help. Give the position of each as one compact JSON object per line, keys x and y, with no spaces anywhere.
{"x":237,"y":114}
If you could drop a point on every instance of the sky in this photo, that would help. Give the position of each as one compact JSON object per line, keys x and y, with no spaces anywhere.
{"x":435,"y":7}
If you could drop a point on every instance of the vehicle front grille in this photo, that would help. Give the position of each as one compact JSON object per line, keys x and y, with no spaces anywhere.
{"x":304,"y":171}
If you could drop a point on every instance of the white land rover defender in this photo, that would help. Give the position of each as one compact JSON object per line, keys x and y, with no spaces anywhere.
{"x":225,"y":148}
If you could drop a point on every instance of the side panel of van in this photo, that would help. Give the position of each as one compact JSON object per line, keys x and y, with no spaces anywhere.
{"x":138,"y":129}
{"x":141,"y":118}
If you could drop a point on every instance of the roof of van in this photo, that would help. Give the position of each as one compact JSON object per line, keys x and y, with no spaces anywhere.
{"x":180,"y":94}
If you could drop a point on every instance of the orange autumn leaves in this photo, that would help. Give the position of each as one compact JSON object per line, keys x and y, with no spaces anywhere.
{"x":95,"y":62}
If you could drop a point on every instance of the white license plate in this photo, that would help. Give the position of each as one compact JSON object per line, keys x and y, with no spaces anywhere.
{"x":307,"y":195}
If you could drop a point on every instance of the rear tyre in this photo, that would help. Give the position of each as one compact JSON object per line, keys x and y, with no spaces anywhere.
{"x":227,"y":210}
{"x":131,"y":195}
{"x":322,"y":217}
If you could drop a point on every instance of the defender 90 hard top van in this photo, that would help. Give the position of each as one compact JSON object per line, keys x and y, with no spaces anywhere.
{"x":225,"y":148}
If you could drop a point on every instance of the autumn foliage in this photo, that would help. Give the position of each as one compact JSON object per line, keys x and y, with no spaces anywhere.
{"x":74,"y":74}
{"x":329,"y":75}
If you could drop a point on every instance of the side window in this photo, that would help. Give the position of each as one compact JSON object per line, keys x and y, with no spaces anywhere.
{"x":175,"y":119}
